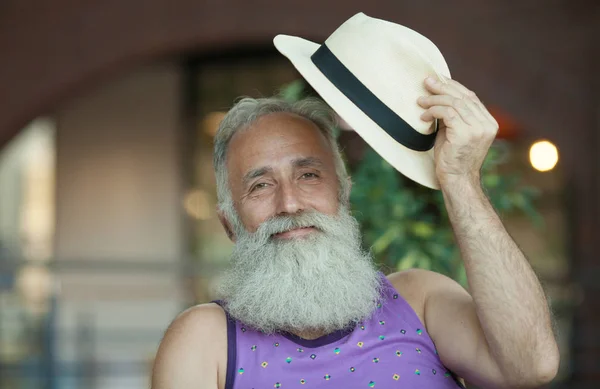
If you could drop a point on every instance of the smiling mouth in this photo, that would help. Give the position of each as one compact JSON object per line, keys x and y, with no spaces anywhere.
{"x":295,"y":233}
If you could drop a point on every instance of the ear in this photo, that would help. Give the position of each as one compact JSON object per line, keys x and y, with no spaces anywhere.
{"x":226,"y":225}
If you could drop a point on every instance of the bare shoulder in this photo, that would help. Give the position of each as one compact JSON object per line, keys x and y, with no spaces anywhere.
{"x":415,"y":281}
{"x":199,"y":321}
{"x":193,"y":350}
{"x":420,"y":280}
{"x":416,"y":285}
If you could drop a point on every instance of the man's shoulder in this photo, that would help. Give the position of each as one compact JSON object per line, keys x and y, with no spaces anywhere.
{"x":202,"y":314}
{"x":194,"y":347}
{"x":417,"y":280}
{"x":413,"y":280}
{"x":200,"y":324}
{"x":417,"y":285}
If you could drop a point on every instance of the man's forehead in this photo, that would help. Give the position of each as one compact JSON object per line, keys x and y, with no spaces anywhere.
{"x":274,"y":139}
{"x":283,"y":124}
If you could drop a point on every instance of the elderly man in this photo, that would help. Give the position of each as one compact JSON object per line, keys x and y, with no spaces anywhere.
{"x":304,"y":306}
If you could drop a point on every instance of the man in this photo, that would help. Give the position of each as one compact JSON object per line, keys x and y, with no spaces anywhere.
{"x":305,"y":304}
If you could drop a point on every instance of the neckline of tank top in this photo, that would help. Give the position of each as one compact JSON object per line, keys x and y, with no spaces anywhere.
{"x":320,"y":341}
{"x":310,"y":343}
{"x":338,"y":334}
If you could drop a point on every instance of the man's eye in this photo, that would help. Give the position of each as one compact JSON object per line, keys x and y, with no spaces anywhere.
{"x":309,"y":175}
{"x":260,"y":185}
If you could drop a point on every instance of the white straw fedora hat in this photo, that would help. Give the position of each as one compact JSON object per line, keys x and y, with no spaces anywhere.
{"x":371,"y":72}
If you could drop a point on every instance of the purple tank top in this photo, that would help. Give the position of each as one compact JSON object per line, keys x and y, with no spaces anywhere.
{"x":389,"y":350}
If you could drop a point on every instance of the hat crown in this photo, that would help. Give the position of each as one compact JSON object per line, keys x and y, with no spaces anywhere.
{"x":392,"y":61}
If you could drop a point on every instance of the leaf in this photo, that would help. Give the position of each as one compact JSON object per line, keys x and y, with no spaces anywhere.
{"x":422,"y":229}
{"x":385,"y":240}
{"x":491,"y":180}
{"x":407,"y":262}
{"x":293,"y":91}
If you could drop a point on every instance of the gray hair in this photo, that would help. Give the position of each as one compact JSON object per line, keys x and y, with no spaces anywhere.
{"x":248,"y":111}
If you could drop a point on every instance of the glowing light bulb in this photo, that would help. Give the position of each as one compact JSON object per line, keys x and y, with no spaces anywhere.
{"x":543,"y":155}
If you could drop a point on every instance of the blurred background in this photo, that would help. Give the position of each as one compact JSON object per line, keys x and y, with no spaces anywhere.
{"x":107,"y":196}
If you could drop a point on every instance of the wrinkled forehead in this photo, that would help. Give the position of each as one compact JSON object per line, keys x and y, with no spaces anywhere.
{"x":276,"y":139}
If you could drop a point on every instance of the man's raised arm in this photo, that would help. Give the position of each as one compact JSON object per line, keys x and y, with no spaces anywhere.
{"x":508,"y":321}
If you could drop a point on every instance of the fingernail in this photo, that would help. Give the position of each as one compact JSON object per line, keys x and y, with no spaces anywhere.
{"x":421,"y":99}
{"x":430,"y":80}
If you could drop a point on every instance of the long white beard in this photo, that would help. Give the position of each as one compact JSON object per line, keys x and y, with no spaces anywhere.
{"x":322,"y":282}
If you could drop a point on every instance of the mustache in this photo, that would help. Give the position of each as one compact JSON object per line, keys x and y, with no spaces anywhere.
{"x":283,"y":223}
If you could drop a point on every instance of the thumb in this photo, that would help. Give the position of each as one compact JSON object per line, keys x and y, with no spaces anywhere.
{"x":440,"y":138}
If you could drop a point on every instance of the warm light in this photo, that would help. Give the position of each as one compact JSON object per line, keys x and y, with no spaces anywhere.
{"x":543,"y":155}
{"x":35,"y":284}
{"x":197,"y":204}
{"x":37,"y":209}
{"x":210,"y":123}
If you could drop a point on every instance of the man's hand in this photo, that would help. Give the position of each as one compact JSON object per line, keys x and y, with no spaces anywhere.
{"x":466,"y":132}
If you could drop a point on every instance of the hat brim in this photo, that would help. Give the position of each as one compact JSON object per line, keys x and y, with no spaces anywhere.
{"x":417,"y":165}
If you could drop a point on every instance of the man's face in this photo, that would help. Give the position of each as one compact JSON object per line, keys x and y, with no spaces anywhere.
{"x":281,"y":165}
{"x":297,"y":264}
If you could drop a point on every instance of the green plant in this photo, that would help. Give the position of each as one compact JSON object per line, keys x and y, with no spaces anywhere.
{"x":406,"y":225}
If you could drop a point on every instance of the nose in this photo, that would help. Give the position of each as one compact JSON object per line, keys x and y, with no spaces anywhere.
{"x":289,"y":199}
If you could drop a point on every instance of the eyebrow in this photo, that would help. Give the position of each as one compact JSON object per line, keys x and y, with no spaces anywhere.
{"x":255,"y":173}
{"x":307,"y":162}
{"x":296,"y":163}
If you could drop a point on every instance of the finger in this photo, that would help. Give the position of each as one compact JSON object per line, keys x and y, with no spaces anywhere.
{"x":441,"y":135}
{"x":464,"y":91}
{"x":467,"y":109}
{"x":458,"y":86}
{"x":485,"y":112}
{"x":448,"y":114}
{"x":479,"y":107}
{"x":450,"y":101}
{"x":440,"y":138}
{"x":441,"y":88}
{"x":428,"y":101}
{"x":472,"y":96}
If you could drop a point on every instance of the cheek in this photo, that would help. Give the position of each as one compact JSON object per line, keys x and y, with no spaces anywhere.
{"x":328,"y":202}
{"x":252,"y":215}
